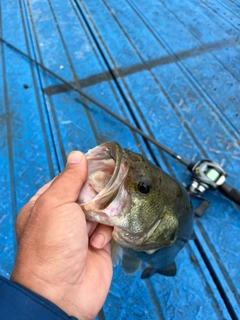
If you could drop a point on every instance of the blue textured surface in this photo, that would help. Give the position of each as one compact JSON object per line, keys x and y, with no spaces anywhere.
{"x":170,"y":67}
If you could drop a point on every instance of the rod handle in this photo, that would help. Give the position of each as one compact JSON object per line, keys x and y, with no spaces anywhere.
{"x":230,"y":192}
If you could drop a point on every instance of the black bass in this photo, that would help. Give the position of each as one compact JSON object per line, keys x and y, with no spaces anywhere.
{"x":151,"y":213}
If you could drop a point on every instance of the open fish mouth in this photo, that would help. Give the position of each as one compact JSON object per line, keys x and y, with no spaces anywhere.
{"x":103,"y":196}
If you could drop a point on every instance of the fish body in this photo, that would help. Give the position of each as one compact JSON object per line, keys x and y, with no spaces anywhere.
{"x":151,"y":213}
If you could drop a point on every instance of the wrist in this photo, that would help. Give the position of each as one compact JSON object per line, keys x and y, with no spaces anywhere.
{"x":53,"y":293}
{"x":18,"y":301}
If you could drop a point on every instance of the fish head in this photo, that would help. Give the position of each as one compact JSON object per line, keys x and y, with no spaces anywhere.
{"x":160,"y":211}
{"x":147,"y":208}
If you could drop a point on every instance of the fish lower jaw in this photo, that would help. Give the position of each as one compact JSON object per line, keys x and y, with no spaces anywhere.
{"x":133,"y":242}
{"x":128,"y":240}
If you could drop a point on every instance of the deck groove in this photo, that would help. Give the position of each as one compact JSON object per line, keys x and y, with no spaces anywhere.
{"x":46,"y":142}
{"x":198,"y":39}
{"x":117,"y":76}
{"x":210,"y":149}
{"x":221,"y":3}
{"x":52,"y":115}
{"x":169,"y":100}
{"x":177,"y":58}
{"x":162,"y":33}
{"x":107,"y":76}
{"x":222,"y":17}
{"x":229,"y":304}
{"x":9,"y":148}
{"x":233,"y":1}
{"x":216,"y":258}
{"x":114,"y":75}
{"x":75,"y":78}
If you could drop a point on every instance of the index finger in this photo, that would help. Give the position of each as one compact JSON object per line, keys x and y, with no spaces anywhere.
{"x":24,"y":214}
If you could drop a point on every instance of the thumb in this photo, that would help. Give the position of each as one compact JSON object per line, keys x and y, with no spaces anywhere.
{"x":66,"y":187}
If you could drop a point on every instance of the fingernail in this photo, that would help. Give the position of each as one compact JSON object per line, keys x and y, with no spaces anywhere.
{"x":75,"y":157}
{"x":97,"y":241}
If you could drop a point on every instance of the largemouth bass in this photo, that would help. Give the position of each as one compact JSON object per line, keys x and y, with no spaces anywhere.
{"x":151,"y":213}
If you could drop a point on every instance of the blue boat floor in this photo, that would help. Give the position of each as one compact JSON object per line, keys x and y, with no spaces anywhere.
{"x":171,"y":68}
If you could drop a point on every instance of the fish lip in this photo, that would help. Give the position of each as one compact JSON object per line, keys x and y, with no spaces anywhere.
{"x":115,"y":152}
{"x":99,"y":203}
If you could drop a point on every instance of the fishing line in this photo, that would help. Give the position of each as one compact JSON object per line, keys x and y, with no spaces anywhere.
{"x":68,"y":121}
{"x":205,"y":173}
{"x":113,"y":114}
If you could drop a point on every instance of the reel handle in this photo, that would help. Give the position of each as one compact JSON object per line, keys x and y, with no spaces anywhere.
{"x":230,"y":192}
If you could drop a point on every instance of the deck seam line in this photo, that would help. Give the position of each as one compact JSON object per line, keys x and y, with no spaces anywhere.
{"x":78,"y":86}
{"x":221,"y":16}
{"x":171,"y":103}
{"x":223,"y":5}
{"x":9,"y":133}
{"x":41,"y":78}
{"x":238,"y":5}
{"x":119,"y":102}
{"x":216,"y":280}
{"x":33,"y":75}
{"x":198,"y":39}
{"x":216,"y":257}
{"x":117,"y":84}
{"x":82,"y":99}
{"x":209,"y":102}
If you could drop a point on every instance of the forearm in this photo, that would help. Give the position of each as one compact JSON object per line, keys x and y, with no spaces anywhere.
{"x":18,"y":302}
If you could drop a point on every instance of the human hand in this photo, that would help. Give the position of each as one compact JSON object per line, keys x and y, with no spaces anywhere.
{"x":61,"y":256}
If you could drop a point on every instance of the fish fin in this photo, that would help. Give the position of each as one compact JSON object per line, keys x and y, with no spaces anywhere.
{"x":116,"y":253}
{"x":148,"y":272}
{"x":169,"y":271}
{"x":130,"y":265}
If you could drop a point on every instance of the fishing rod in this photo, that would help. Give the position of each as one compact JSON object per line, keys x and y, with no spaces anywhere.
{"x":113,"y":114}
{"x":206,"y":174}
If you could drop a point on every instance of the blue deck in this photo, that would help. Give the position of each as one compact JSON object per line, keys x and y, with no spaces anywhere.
{"x":171,"y":68}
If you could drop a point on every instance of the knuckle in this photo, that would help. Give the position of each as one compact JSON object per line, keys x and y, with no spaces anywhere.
{"x":22,"y":219}
{"x":44,"y":203}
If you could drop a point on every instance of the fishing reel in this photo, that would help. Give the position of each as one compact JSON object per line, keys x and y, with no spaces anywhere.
{"x":209,"y":174}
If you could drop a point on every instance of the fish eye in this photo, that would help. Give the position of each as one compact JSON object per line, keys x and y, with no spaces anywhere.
{"x":144,"y":187}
